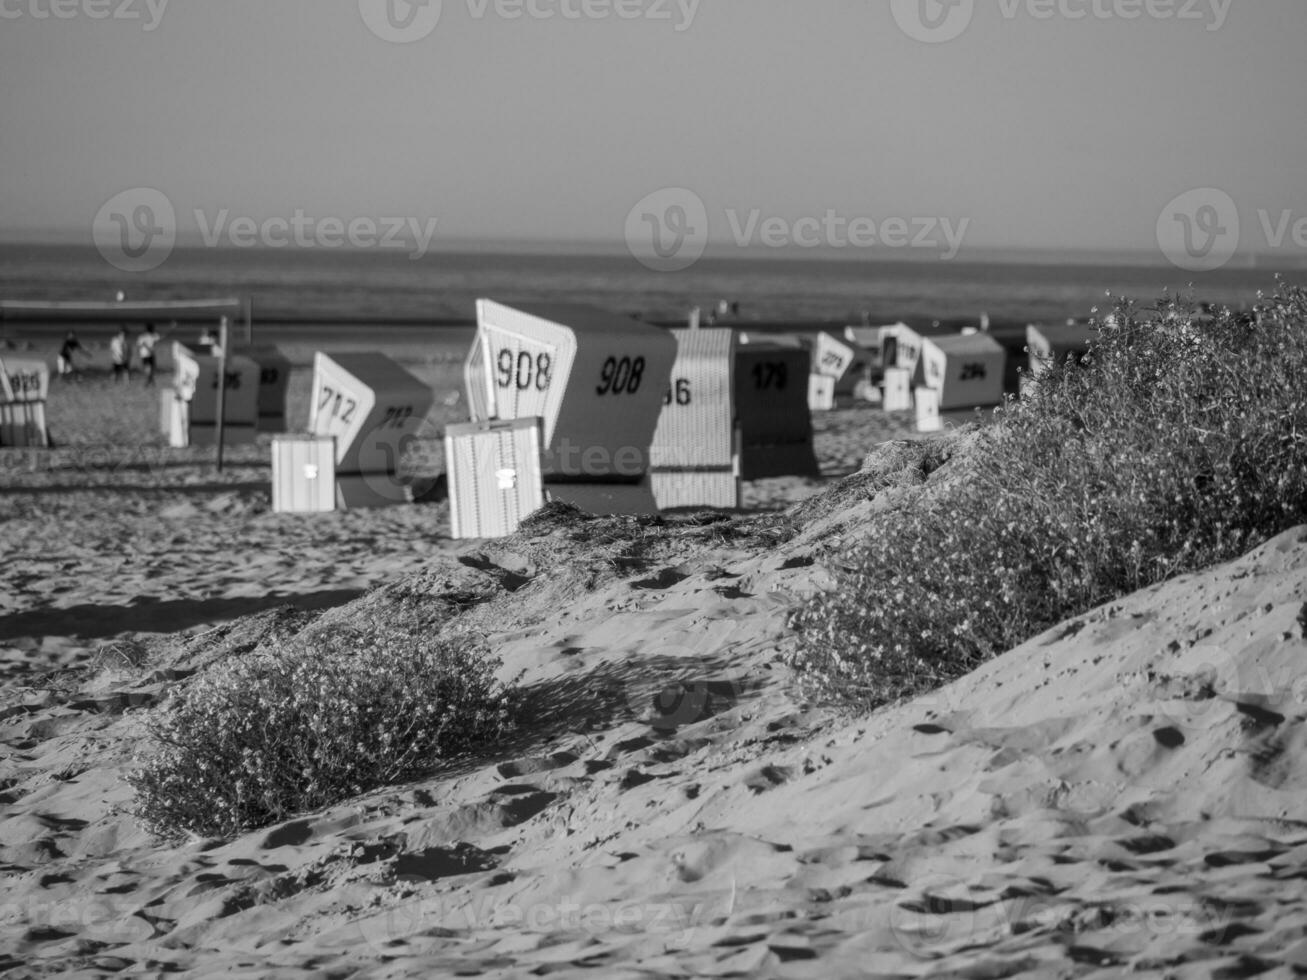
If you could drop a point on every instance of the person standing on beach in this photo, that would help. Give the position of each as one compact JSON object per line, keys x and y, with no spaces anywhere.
{"x":67,"y":364}
{"x":145,"y":344}
{"x":120,"y":350}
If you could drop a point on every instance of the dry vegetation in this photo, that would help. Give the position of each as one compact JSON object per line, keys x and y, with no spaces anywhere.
{"x":1180,"y":442}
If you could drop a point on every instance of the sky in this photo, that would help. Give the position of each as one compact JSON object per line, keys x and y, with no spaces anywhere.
{"x":792,"y":124}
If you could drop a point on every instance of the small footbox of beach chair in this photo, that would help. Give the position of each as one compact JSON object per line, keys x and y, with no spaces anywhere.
{"x":303,"y":474}
{"x":897,"y":395}
{"x":494,"y":475}
{"x":821,"y":393}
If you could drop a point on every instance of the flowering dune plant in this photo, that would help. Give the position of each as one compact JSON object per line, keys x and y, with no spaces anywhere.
{"x":1179,"y":442}
{"x":297,"y":727}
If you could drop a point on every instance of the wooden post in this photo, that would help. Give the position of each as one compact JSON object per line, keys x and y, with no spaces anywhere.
{"x":222,"y":385}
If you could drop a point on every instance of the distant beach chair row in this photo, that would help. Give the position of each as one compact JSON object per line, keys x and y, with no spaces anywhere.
{"x":948,"y":374}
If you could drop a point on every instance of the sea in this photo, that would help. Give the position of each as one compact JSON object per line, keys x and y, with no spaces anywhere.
{"x":298,"y":291}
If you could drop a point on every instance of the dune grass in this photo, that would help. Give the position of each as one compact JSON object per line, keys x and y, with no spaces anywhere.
{"x":1180,"y":442}
{"x":307,"y":724}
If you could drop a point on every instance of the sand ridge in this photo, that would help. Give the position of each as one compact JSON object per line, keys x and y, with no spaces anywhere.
{"x":1119,"y":794}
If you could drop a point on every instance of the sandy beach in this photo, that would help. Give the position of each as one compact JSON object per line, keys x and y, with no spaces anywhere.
{"x":1118,"y":795}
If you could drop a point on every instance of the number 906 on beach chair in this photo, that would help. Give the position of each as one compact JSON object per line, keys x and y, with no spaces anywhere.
{"x":695,"y":456}
{"x":24,"y":387}
{"x":595,"y":380}
{"x":373,"y":407}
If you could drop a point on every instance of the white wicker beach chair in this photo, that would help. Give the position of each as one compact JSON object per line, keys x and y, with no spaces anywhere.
{"x":193,"y":418}
{"x":695,"y":458}
{"x":370,"y":404}
{"x":596,"y":381}
{"x":24,"y":388}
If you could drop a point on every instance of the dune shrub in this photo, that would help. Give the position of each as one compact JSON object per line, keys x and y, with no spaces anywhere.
{"x":1180,"y":442}
{"x":307,"y":724}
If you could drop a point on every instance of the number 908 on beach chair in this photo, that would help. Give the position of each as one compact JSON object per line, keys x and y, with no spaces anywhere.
{"x":369,"y":407}
{"x":594,"y":379}
{"x":24,"y":387}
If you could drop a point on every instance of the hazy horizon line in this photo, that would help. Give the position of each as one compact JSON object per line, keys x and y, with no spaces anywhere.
{"x":592,"y":248}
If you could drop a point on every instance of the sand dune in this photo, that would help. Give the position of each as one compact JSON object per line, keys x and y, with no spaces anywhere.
{"x":1120,"y":794}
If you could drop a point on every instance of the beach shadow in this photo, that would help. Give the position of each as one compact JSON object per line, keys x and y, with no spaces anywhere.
{"x":185,"y":489}
{"x":151,"y":615}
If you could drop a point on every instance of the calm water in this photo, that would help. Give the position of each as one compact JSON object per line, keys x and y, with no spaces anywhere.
{"x":376,"y":288}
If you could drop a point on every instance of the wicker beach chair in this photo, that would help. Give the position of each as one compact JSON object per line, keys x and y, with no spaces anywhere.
{"x":595,"y":380}
{"x":771,"y":403}
{"x":24,"y":388}
{"x":695,"y":457}
{"x":372,"y":406}
{"x":192,"y":414}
